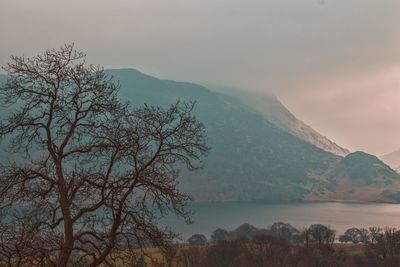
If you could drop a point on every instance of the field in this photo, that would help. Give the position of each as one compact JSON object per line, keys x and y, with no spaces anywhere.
{"x":182,"y":256}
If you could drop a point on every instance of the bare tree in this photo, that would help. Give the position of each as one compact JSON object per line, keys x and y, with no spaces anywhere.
{"x":170,"y":253}
{"x":20,"y":245}
{"x":90,"y":173}
{"x":385,"y":245}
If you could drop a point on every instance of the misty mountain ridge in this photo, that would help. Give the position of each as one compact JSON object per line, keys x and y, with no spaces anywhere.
{"x":262,"y":152}
{"x":274,"y":111}
{"x":392,"y":159}
{"x":267,"y":105}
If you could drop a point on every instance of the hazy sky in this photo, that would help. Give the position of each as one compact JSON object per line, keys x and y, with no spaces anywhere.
{"x":334,"y":63}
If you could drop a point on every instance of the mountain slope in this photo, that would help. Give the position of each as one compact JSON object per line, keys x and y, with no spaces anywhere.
{"x":253,"y":157}
{"x":270,"y":106}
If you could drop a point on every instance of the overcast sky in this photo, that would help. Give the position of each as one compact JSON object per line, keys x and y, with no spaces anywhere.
{"x":334,"y":63}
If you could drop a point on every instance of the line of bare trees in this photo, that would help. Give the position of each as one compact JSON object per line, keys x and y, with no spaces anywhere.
{"x":313,"y":246}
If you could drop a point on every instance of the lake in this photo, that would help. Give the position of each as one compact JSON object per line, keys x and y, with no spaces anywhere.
{"x":339,"y":215}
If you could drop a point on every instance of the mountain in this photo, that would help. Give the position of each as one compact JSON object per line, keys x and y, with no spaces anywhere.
{"x":392,"y":159}
{"x":359,"y":176}
{"x":270,"y":106}
{"x":364,"y":168}
{"x":258,"y":153}
{"x":251,"y":158}
{"x":262,"y":151}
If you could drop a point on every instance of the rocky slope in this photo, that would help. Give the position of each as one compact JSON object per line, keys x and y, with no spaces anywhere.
{"x":275,"y":112}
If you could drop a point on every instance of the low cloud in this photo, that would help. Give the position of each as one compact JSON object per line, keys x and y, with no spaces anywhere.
{"x":333,"y":62}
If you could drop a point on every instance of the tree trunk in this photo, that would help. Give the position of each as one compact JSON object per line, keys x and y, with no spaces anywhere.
{"x":68,"y":244}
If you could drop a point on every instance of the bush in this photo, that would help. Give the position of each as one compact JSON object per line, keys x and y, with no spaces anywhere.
{"x":197,"y":240}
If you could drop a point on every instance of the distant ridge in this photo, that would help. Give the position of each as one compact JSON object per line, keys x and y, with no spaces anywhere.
{"x":392,"y":159}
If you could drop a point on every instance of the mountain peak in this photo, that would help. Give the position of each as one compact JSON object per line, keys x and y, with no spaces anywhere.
{"x":363,"y":166}
{"x":127,"y":70}
{"x":361,"y":155}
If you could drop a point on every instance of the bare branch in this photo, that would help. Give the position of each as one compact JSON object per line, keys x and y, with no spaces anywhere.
{"x":91,"y":174}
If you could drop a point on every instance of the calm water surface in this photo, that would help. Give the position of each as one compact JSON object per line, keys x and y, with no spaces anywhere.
{"x":340,"y":216}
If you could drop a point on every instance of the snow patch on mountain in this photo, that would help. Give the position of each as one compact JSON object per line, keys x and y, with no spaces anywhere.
{"x":275,"y":112}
